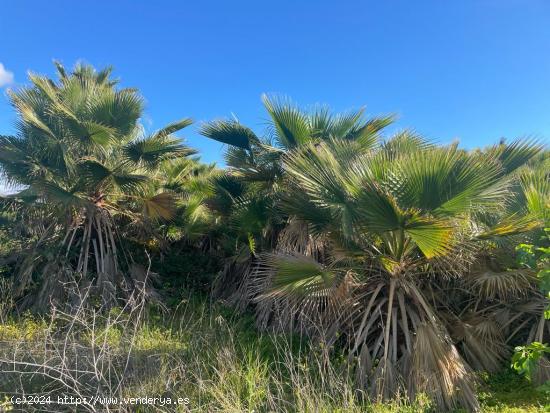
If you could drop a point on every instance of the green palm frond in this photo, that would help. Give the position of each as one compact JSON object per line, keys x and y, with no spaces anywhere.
{"x":433,"y":237}
{"x":98,"y":178}
{"x":367,"y":133}
{"x":12,"y":149}
{"x":319,"y":173}
{"x":346,"y":194}
{"x":404,"y":142}
{"x":46,"y":86}
{"x":226,"y":190}
{"x":104,"y":75}
{"x":448,"y":181}
{"x":29,"y":115}
{"x":229,"y":185}
{"x":251,"y":214}
{"x":128,"y":182}
{"x":96,"y":132}
{"x":321,"y":123}
{"x":151,"y":151}
{"x":516,"y":154}
{"x":88,"y":74}
{"x":535,"y":186}
{"x":291,"y":126}
{"x":511,"y":225}
{"x":229,"y":132}
{"x":296,"y":275}
{"x":94,"y":172}
{"x":173,"y":128}
{"x":377,"y":209}
{"x":119,"y":110}
{"x":55,"y":194}
{"x":239,"y":158}
{"x":347,"y":125}
{"x":61,"y":72}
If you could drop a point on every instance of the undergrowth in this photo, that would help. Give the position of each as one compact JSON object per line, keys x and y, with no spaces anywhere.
{"x":217,"y":360}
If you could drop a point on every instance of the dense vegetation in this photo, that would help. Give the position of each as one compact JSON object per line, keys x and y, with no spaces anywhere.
{"x":407,"y":268}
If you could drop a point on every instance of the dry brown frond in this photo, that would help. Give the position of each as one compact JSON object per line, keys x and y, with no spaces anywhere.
{"x":438,"y":370}
{"x":502,"y":285}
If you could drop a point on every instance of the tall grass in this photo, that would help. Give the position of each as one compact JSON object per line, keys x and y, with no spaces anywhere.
{"x":199,"y":351}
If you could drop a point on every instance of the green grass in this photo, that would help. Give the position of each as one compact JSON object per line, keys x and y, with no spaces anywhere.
{"x":507,"y":392}
{"x":221,"y":363}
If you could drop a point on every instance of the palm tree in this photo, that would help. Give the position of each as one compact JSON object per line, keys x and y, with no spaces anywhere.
{"x":385,"y":247}
{"x":246,"y":198}
{"x":258,"y":159}
{"x":86,"y":166}
{"x":375,"y":234}
{"x":498,"y":304}
{"x":191,"y":183}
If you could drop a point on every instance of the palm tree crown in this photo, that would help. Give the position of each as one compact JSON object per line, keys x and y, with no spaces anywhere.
{"x":81,"y":156}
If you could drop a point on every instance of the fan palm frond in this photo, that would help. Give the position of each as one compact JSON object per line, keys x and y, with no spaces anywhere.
{"x":296,"y":275}
{"x":291,"y":126}
{"x":230,"y":132}
{"x":503,"y":285}
{"x":153,"y":150}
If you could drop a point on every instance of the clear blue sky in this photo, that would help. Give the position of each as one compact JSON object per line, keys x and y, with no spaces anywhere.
{"x":475,"y":70}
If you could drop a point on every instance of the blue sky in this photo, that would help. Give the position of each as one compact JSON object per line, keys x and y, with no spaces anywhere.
{"x":475,"y":70}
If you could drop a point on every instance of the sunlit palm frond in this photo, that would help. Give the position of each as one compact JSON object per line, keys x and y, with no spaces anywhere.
{"x":61,"y":72}
{"x":535,"y":186}
{"x":119,"y":110}
{"x":437,"y":369}
{"x":516,"y":154}
{"x":29,"y":115}
{"x":291,"y":126}
{"x":367,"y":133}
{"x":296,"y":275}
{"x":511,"y":225}
{"x":403,"y":143}
{"x":433,"y":237}
{"x":159,"y":206}
{"x":448,"y":181}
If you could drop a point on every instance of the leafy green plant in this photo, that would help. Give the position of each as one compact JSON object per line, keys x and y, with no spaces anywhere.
{"x":537,"y":258}
{"x":527,"y":357}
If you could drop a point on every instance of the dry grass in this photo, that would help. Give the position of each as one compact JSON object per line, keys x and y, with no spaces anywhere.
{"x":198,"y":351}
